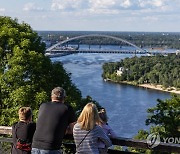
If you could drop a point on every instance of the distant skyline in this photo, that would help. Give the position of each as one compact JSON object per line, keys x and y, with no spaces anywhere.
{"x":96,"y":15}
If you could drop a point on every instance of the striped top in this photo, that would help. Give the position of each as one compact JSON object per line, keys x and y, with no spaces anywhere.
{"x":89,"y":144}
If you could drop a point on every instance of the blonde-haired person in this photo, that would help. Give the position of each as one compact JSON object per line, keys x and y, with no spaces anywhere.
{"x":106,"y":128}
{"x":23,"y":131}
{"x":87,"y":133}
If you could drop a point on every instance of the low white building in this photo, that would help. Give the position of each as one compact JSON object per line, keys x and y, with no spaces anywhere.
{"x":177,"y":52}
{"x":120,"y":71}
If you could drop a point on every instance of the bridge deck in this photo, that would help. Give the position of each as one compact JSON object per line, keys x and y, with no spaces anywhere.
{"x":97,"y":51}
{"x":59,"y":53}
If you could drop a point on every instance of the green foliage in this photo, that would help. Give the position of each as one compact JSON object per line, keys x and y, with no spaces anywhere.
{"x":84,"y":101}
{"x":5,"y":146}
{"x":142,"y":135}
{"x":25,"y":71}
{"x":163,"y":70}
{"x":166,"y":114}
{"x":119,"y":148}
{"x":164,"y":119}
{"x":26,"y":75}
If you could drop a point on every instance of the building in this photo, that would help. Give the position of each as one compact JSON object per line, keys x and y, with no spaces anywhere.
{"x":120,"y":71}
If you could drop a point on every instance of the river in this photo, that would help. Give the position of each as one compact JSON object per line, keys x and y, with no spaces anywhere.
{"x":126,"y":105}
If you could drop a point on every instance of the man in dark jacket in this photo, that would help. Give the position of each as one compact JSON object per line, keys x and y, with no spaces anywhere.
{"x":53,"y":119}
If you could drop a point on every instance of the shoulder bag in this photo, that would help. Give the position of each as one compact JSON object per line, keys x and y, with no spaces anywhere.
{"x":83,"y":139}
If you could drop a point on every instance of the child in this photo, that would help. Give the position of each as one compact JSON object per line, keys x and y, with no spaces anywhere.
{"x":107,"y":129}
{"x":23,"y":131}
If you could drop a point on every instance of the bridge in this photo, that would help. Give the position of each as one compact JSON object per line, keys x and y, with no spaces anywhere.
{"x":56,"y":49}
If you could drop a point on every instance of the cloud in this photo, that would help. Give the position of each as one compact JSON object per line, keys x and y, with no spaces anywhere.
{"x":101,"y":4}
{"x":67,"y":5}
{"x":103,"y":11}
{"x":102,"y":7}
{"x":152,"y":3}
{"x":126,"y":4}
{"x":32,"y":7}
{"x":157,"y":3}
{"x":150,"y":19}
{"x":111,"y":7}
{"x":2,"y":9}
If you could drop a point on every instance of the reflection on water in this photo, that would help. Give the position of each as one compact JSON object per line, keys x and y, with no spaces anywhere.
{"x":126,"y":105}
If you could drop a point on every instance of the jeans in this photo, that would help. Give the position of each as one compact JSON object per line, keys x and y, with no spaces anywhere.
{"x":41,"y":151}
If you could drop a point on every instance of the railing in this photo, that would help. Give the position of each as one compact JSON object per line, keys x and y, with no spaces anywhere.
{"x":128,"y":142}
{"x":55,"y":51}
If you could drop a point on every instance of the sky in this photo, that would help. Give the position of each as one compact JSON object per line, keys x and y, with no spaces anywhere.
{"x":96,"y":15}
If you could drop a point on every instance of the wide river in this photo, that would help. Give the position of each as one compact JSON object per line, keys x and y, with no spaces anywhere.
{"x":126,"y":105}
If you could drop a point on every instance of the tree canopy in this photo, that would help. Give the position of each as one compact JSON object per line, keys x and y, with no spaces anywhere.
{"x":163,"y":70}
{"x":166,"y":114}
{"x":27,"y":76}
{"x":164,"y":120}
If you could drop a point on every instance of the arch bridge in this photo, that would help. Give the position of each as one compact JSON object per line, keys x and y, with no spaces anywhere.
{"x":54,"y":49}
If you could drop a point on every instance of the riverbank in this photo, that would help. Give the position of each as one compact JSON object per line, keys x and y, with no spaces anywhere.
{"x":149,"y":86}
{"x":159,"y":87}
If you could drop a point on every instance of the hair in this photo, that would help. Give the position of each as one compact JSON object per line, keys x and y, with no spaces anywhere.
{"x":88,"y":117}
{"x":25,"y":113}
{"x":103,"y":116}
{"x":58,"y":93}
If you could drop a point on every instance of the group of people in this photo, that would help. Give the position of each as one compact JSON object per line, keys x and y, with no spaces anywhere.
{"x":55,"y":119}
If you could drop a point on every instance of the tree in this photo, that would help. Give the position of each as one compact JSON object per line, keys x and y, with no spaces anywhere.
{"x":163,"y":70}
{"x":166,"y":114}
{"x":27,"y":76}
{"x":164,"y":119}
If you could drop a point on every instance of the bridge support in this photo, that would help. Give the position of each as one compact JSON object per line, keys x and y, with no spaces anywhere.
{"x":66,"y":44}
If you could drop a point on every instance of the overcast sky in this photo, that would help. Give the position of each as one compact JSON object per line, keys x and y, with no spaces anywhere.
{"x":96,"y":15}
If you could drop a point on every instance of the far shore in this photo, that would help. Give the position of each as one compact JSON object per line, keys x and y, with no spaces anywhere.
{"x":149,"y":86}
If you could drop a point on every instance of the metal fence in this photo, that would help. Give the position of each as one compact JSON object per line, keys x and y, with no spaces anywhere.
{"x":5,"y":145}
